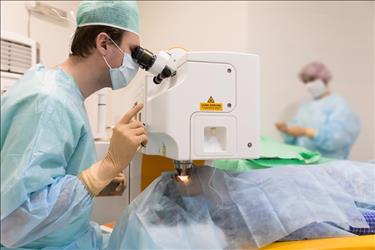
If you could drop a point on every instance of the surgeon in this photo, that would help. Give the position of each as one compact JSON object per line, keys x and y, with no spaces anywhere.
{"x":49,"y":171}
{"x":326,"y":123}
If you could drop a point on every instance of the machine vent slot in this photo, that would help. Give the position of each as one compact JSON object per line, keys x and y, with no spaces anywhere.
{"x":16,"y":57}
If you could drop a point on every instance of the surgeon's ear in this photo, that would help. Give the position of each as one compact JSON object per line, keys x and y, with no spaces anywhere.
{"x":101,"y":43}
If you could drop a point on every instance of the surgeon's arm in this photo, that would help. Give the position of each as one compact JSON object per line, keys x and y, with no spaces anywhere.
{"x":37,"y":197}
{"x":283,"y":128}
{"x":45,"y":211}
{"x":341,"y":130}
{"x":64,"y":199}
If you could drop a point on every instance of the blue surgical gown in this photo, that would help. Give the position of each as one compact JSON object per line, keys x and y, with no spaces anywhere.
{"x":45,"y":142}
{"x":336,"y":124}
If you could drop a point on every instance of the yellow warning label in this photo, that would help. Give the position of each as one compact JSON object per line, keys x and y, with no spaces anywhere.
{"x":211,"y":105}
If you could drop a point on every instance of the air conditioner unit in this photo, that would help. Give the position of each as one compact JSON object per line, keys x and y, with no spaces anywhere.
{"x":18,"y":54}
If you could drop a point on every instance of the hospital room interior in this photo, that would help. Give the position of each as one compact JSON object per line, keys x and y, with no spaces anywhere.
{"x":207,"y":125}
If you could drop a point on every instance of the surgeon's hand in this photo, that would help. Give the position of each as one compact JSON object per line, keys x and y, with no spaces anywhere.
{"x":297,"y":131}
{"x":281,"y":126}
{"x":116,"y":187}
{"x":127,"y":136}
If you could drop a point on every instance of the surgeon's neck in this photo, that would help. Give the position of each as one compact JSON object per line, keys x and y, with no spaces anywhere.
{"x":86,"y":73}
{"x":324,"y":95}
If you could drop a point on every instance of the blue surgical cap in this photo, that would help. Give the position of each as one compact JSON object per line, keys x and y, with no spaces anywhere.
{"x":118,"y":14}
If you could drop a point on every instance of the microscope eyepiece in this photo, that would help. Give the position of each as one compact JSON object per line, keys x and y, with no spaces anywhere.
{"x":164,"y":74}
{"x":143,"y":57}
{"x":155,"y":64}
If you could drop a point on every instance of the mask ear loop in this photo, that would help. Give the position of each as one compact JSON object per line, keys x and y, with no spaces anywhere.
{"x":116,"y":45}
{"x":109,"y":66}
{"x":105,"y":60}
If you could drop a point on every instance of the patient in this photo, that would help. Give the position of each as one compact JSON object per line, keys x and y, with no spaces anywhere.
{"x":221,"y":209}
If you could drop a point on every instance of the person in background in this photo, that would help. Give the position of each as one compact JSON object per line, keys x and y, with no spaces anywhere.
{"x":49,"y":170}
{"x":326,"y":123}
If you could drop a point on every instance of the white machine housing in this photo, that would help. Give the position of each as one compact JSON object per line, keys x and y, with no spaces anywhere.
{"x":208,"y":110}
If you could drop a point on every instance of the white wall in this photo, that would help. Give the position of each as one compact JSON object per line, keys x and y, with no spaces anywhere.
{"x":287,"y":35}
{"x":53,"y":37}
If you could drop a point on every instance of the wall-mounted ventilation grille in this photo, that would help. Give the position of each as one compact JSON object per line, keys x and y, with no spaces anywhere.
{"x":15,"y":57}
{"x":18,"y":54}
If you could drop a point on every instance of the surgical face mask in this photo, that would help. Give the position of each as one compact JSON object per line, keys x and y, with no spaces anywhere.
{"x":316,"y":88}
{"x":120,"y":77}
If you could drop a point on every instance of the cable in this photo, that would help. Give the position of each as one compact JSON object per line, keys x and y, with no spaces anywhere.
{"x":213,"y":189}
{"x":178,"y":47}
{"x":28,"y":24}
{"x":62,"y":17}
